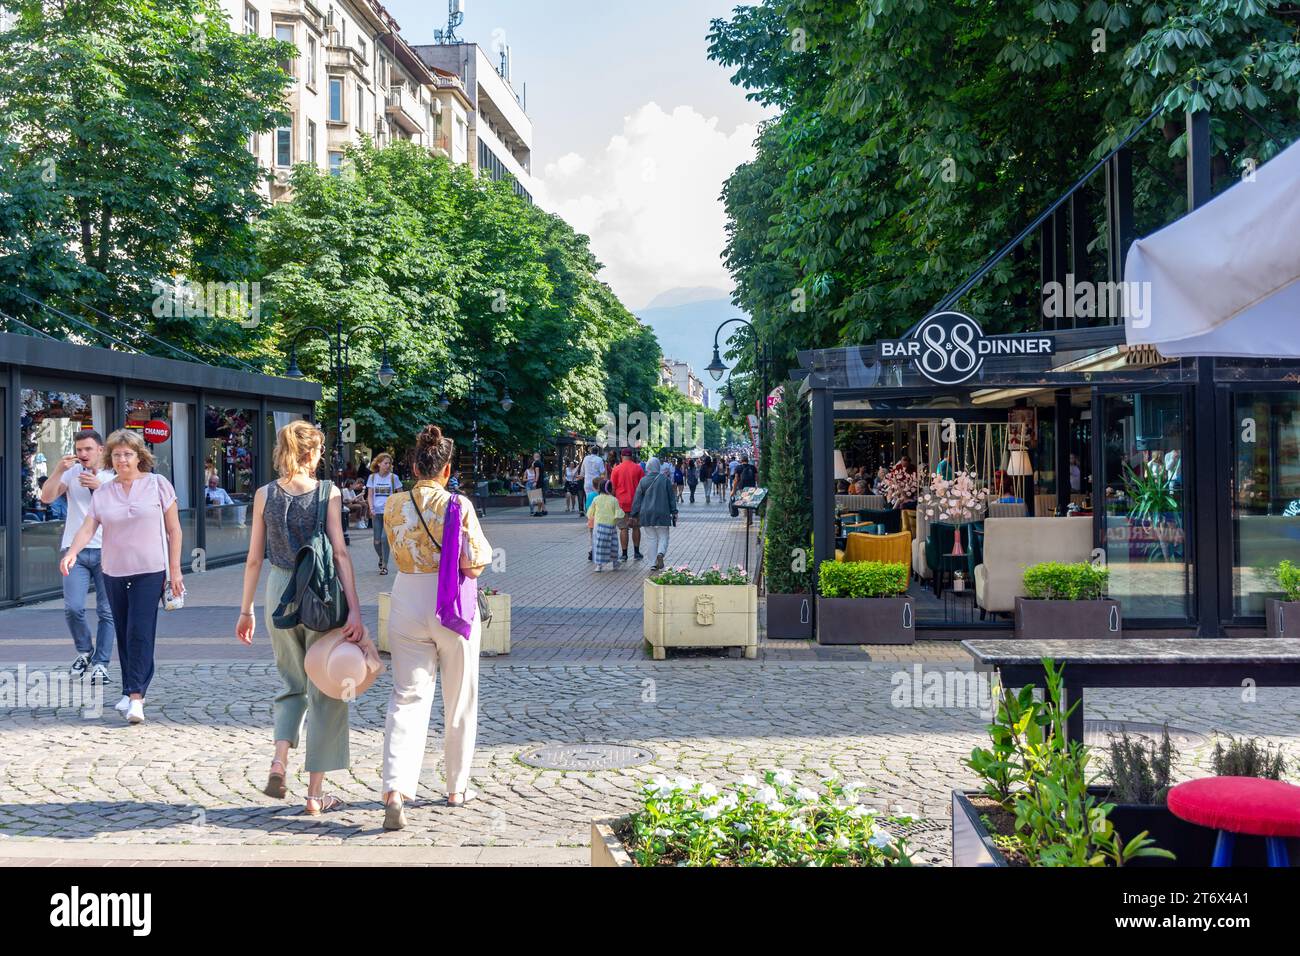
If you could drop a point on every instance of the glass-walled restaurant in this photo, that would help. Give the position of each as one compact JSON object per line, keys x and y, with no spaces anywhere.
{"x":211,"y":431}
{"x":1185,"y":474}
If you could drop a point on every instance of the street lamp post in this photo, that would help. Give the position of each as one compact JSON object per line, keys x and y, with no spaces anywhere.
{"x":475,"y":383}
{"x":762,"y":359}
{"x":340,"y":366}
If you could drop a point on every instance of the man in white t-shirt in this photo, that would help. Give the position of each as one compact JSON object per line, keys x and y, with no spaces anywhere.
{"x":593,"y":467}
{"x":78,"y":476}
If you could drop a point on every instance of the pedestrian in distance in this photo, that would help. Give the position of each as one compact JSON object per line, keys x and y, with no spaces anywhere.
{"x":604,"y":517}
{"x":719,"y":478}
{"x":572,"y":487}
{"x":692,"y":477}
{"x":679,"y":479}
{"x":593,"y":472}
{"x":77,"y":477}
{"x":140,"y":558}
{"x":380,"y":486}
{"x":434,"y":628}
{"x":626,"y":477}
{"x":655,"y":507}
{"x":286,"y":516}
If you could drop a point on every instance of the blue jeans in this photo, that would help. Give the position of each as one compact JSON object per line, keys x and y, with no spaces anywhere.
{"x":135,"y":600}
{"x":75,"y":587}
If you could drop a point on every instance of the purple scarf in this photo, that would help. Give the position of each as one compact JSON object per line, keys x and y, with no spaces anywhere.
{"x":457,"y":593}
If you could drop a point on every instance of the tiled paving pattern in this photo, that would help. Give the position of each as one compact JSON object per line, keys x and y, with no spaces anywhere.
{"x":185,"y":786}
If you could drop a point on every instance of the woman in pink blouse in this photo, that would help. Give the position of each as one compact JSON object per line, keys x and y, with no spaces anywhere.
{"x":133,"y":509}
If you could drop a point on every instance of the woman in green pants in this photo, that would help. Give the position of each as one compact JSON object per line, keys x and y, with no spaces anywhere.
{"x":284,"y":519}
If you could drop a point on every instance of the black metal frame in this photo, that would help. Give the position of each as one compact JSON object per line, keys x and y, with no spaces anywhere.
{"x":55,"y":365}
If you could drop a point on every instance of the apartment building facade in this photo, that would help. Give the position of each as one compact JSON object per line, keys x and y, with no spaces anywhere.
{"x":681,"y":376}
{"x":500,"y":132}
{"x":354,"y":77}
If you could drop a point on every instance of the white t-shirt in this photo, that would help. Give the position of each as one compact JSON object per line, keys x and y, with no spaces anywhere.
{"x":79,"y":504}
{"x":593,"y":466}
{"x":383,"y":488}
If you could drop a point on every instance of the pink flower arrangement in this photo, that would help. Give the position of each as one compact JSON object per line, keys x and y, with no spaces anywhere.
{"x":899,"y":485}
{"x":956,"y":499}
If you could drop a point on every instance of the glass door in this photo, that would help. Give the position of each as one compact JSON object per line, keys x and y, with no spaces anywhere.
{"x":1146,"y":473}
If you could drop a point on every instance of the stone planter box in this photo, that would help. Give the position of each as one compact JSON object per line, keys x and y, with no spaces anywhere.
{"x":1192,"y":845}
{"x":496,"y":636}
{"x":865,"y":620}
{"x":1282,"y":618}
{"x":1068,"y":620}
{"x":606,"y":848}
{"x":695,"y":615}
{"x":790,"y":617}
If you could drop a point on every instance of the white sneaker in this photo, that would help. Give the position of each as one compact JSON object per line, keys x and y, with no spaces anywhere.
{"x":123,"y":705}
{"x":135,"y":713}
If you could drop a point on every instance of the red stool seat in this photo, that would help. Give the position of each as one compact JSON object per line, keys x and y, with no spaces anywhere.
{"x":1248,"y":805}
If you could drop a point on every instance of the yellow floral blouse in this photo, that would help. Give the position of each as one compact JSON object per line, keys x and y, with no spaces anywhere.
{"x":412,"y":549}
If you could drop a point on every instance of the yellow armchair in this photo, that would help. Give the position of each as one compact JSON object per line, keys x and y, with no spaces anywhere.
{"x":891,"y":548}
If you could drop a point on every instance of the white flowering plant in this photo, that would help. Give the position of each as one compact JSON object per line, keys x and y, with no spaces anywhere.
{"x":715,"y":575}
{"x":770,"y":823}
{"x":957,"y":499}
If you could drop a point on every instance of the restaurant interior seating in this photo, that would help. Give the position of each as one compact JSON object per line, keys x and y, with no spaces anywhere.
{"x":1044,"y":506}
{"x":1013,"y":544}
{"x":891,"y":548}
{"x":919,"y":566}
{"x":860,"y":502}
{"x":1008,"y":509}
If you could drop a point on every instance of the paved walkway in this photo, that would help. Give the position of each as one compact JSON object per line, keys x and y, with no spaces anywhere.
{"x":184,"y":788}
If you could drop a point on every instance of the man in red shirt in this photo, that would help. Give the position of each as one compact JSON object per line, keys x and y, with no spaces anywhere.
{"x":625,"y":477}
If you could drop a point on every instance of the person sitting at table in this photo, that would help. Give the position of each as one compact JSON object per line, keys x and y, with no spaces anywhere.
{"x":354,"y":501}
{"x":219,"y":499}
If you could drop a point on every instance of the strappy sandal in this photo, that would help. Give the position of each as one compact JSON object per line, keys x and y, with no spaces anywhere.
{"x":275,"y":783}
{"x":395,"y":814}
{"x":327,"y":803}
{"x":465,"y":798}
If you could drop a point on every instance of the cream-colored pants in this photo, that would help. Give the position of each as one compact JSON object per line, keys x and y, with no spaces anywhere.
{"x":421,"y":650}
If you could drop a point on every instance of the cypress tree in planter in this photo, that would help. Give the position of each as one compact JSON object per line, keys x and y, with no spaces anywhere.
{"x":787,"y":546}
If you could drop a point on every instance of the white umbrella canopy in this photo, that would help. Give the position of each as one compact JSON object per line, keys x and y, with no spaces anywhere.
{"x":1224,"y":279}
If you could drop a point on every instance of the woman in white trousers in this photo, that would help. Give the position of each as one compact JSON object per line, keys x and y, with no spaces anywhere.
{"x":422,"y":648}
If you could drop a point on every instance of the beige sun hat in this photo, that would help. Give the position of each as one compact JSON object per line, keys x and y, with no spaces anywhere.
{"x":338,"y":667}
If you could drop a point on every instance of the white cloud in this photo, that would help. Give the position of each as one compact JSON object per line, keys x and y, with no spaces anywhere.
{"x":651,"y":200}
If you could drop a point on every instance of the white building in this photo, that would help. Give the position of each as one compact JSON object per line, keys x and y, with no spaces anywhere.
{"x":354,"y":77}
{"x":500,"y":132}
{"x":681,"y":376}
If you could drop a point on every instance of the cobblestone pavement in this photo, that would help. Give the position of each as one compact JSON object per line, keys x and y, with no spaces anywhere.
{"x":185,"y":787}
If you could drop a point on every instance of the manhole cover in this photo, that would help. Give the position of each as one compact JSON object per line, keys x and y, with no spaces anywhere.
{"x":586,"y":757}
{"x":1097,"y":733}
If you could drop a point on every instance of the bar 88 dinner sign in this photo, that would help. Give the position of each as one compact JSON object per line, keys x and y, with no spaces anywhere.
{"x":949,"y":348}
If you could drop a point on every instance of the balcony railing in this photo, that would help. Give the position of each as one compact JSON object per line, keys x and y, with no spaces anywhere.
{"x":344,"y":58}
{"x":404,"y":109}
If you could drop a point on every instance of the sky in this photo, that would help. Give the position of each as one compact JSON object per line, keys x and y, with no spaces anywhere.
{"x":635,"y":129}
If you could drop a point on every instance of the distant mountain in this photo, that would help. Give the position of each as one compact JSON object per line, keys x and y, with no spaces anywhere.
{"x":684,"y":296}
{"x":685,"y":333}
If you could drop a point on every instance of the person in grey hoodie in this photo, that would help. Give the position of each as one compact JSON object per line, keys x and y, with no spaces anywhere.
{"x":655,"y":506}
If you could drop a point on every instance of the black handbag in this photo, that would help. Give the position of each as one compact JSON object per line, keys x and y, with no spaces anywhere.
{"x":484,"y":609}
{"x":314,"y":596}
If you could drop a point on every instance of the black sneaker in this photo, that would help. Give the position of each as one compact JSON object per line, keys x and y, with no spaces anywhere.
{"x":589,"y":556}
{"x":80,"y":664}
{"x":99,"y":675}
{"x":639,"y":555}
{"x":624,"y":555}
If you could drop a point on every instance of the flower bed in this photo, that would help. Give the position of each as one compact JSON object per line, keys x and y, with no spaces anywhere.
{"x":768,"y":823}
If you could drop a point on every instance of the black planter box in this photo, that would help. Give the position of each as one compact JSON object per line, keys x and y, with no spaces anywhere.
{"x":1068,"y":620}
{"x":1283,"y":618}
{"x":1192,"y":845}
{"x":790,"y":617}
{"x":865,"y":621}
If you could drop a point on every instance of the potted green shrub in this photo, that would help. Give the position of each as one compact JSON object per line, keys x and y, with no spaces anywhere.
{"x":1284,"y":615}
{"x":864,"y":602}
{"x":1067,"y":601}
{"x":788,"y":528}
{"x":1038,"y":805}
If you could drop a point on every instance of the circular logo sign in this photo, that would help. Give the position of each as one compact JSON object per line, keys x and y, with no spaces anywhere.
{"x":949,"y":347}
{"x":157,"y":431}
